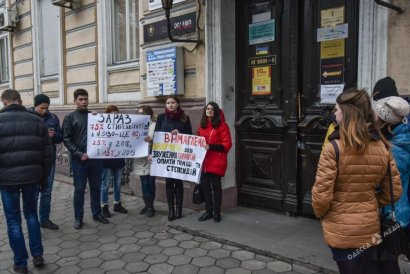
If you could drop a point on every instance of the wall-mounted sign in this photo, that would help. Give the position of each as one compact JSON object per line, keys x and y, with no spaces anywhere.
{"x":157,"y":4}
{"x":165,"y":71}
{"x":262,"y":32}
{"x":332,"y":17}
{"x":261,"y":81}
{"x":332,"y":33}
{"x":262,"y":50}
{"x":329,"y":93}
{"x":262,"y":61}
{"x":332,"y":49}
{"x":180,"y":25}
{"x":332,"y":71}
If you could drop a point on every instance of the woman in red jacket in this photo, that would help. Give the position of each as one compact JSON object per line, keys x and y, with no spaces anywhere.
{"x":218,"y":138}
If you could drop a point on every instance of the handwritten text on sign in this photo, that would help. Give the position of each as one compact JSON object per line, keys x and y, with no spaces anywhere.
{"x":178,"y":156}
{"x":111,"y":135}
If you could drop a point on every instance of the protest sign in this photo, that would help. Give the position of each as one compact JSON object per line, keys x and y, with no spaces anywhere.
{"x":178,"y":156}
{"x":115,"y":135}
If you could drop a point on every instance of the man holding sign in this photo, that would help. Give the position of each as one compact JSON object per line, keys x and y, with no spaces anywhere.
{"x":75,"y":139}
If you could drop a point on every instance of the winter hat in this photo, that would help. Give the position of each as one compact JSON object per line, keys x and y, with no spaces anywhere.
{"x":40,"y":99}
{"x":383,"y":88}
{"x":392,"y":109}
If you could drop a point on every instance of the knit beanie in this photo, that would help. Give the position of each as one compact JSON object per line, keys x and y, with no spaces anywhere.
{"x":383,"y":88}
{"x":40,"y":99}
{"x":392,"y":109}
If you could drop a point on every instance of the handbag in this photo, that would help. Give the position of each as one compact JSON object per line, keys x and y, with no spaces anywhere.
{"x":198,"y":195}
{"x":393,"y":235}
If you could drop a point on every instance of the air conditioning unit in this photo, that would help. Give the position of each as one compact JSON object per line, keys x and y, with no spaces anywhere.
{"x":8,"y":19}
{"x":70,"y":4}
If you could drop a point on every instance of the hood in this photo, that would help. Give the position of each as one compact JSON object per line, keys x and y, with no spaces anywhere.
{"x":401,"y":137}
{"x":32,"y":110}
{"x":222,"y":115}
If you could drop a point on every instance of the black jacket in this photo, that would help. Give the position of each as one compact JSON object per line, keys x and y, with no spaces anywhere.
{"x":26,"y":151}
{"x":75,"y":132}
{"x":166,"y":124}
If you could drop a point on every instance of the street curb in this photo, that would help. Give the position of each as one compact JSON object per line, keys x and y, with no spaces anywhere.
{"x":297,"y":265}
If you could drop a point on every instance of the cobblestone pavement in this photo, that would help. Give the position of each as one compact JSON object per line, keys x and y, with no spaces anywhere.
{"x":132,"y":243}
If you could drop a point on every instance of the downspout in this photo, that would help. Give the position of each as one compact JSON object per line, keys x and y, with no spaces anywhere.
{"x":390,"y":6}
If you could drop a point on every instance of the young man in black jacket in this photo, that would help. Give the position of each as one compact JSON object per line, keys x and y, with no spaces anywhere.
{"x":75,"y":139}
{"x":26,"y":156}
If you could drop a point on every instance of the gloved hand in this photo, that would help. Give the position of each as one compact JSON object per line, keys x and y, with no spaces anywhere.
{"x":42,"y":186}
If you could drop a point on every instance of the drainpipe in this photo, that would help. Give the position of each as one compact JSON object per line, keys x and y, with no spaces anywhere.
{"x":390,"y":6}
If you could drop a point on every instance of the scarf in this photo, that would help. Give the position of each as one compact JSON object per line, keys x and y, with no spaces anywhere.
{"x":174,"y":115}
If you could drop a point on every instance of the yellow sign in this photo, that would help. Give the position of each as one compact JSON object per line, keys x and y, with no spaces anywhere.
{"x":261,"y":81}
{"x":332,"y":49}
{"x":332,"y":17}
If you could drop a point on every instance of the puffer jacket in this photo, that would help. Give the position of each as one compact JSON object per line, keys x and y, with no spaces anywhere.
{"x":400,"y":147}
{"x":26,"y":152}
{"x":216,"y":161}
{"x":344,"y":197}
{"x":141,"y":166}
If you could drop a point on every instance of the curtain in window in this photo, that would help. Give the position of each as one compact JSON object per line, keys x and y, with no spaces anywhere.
{"x":4,"y":68}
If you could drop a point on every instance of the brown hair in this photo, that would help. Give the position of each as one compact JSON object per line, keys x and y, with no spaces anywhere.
{"x":80,"y":92}
{"x":147,"y":110}
{"x":184,"y":117}
{"x":358,"y":119}
{"x":11,"y":95}
{"x":216,"y":119}
{"x":111,"y":108}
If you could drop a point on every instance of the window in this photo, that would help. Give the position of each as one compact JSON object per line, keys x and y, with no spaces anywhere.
{"x":4,"y":57}
{"x":48,"y":21}
{"x":125,"y":29}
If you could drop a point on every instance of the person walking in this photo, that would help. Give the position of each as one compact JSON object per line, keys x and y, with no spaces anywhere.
{"x":218,"y":143}
{"x":141,"y":167}
{"x":174,"y":120}
{"x":351,"y":166}
{"x":391,"y":118}
{"x":75,"y":139}
{"x":26,"y":157}
{"x":41,"y":105}
{"x":112,"y":168}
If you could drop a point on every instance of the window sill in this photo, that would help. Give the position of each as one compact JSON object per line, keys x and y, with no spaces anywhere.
{"x":124,"y":66}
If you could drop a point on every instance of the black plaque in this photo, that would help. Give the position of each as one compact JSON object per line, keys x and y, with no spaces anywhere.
{"x":269,"y":60}
{"x":180,"y":25}
{"x":332,"y":71}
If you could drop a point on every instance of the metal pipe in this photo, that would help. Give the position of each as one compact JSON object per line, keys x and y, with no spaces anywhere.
{"x":390,"y":6}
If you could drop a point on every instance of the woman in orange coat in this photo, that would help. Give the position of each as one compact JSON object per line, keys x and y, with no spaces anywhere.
{"x":344,"y":195}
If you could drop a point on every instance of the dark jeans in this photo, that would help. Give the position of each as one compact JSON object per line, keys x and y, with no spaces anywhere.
{"x":10,"y":196}
{"x":211,"y":182}
{"x":83,"y":170}
{"x":173,"y":184}
{"x":148,"y":185}
{"x":45,"y":197}
{"x":362,"y":263}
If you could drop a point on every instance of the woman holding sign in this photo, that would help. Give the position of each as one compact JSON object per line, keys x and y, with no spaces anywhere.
{"x":174,"y":120}
{"x":218,"y":139}
{"x":141,"y":167}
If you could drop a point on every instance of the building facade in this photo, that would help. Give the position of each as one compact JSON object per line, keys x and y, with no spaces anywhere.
{"x":275,"y":67}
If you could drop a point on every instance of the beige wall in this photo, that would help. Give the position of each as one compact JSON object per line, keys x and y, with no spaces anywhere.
{"x":398,"y":59}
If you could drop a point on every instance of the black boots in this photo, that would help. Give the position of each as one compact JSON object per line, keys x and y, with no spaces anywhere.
{"x":105,"y":211}
{"x":150,"y":206}
{"x":171,"y":208}
{"x":207,"y":215}
{"x":217,"y":215}
{"x":179,"y":198}
{"x":119,"y":208}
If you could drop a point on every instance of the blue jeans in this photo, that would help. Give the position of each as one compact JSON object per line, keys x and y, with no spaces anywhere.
{"x":106,"y":179}
{"x":10,"y":196}
{"x":45,"y":197}
{"x":83,"y":170}
{"x":148,"y":185}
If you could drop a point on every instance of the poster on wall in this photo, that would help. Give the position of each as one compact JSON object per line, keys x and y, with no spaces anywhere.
{"x":261,"y":81}
{"x":115,"y":135}
{"x":332,"y":49}
{"x":329,"y":93}
{"x":332,"y":71}
{"x":262,"y":32}
{"x":332,"y":17}
{"x":333,"y":33}
{"x":165,"y":71}
{"x":178,"y":156}
{"x":157,"y":4}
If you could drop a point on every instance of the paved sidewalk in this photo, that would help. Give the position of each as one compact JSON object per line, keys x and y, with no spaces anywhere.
{"x":134,"y":244}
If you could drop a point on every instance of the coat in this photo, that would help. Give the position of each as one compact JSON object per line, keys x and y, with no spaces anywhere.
{"x":344,"y":197}
{"x":26,"y":151}
{"x":142,"y":166}
{"x":216,"y":161}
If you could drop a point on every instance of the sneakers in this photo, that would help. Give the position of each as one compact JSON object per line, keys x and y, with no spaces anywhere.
{"x":105,"y":211}
{"x":49,"y":225}
{"x":100,"y":218}
{"x":78,"y":224}
{"x":118,"y":208}
{"x":38,"y":261}
{"x":20,"y":269}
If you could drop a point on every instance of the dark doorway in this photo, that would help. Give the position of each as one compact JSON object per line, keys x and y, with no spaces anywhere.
{"x":286,"y":81}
